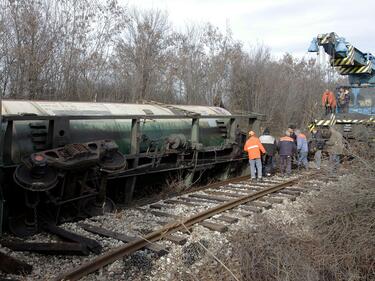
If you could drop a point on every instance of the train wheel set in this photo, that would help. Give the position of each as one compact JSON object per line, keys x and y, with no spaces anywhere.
{"x":63,"y":161}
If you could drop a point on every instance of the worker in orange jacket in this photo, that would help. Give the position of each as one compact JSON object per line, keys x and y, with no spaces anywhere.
{"x":254,"y":148}
{"x":329,"y":102}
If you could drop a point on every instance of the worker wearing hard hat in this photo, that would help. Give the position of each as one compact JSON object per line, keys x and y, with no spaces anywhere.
{"x":254,"y":148}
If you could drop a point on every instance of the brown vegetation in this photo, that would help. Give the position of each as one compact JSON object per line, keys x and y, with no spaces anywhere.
{"x":331,"y":237}
{"x":102,"y":51}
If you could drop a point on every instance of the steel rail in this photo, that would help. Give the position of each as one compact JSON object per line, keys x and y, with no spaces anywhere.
{"x":183,"y":223}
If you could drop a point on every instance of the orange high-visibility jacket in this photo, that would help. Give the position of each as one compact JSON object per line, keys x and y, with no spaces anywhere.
{"x":329,"y":97}
{"x":254,"y":147}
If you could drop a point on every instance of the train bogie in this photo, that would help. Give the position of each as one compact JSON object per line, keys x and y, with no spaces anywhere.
{"x":62,"y":160}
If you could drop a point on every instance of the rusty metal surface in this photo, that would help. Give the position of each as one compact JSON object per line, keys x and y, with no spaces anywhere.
{"x":119,"y":252}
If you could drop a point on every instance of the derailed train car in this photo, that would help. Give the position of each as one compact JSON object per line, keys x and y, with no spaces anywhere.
{"x":65,"y":160}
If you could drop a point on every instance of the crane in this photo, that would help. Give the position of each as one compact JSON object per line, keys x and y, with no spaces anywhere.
{"x":359,"y":67}
{"x":347,"y":59}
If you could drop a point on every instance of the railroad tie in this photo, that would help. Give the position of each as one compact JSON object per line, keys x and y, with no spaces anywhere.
{"x":255,"y":188}
{"x":158,"y":249}
{"x":244,"y":214}
{"x":260,"y":204}
{"x":187,"y":231}
{"x":248,"y":191}
{"x":12,"y":265}
{"x":197,"y":200}
{"x":331,"y":179}
{"x":272,"y":200}
{"x":314,"y":186}
{"x":10,"y":279}
{"x":290,"y":192}
{"x":269,"y":181}
{"x":297,"y":189}
{"x":199,"y":218}
{"x":237,"y":186}
{"x":93,"y":245}
{"x":177,"y":239}
{"x":160,"y":206}
{"x":227,"y":219}
{"x":214,"y":226}
{"x":259,"y":186}
{"x":311,"y":186}
{"x":164,"y":214}
{"x":283,"y":196}
{"x":250,"y":208}
{"x":55,"y":248}
{"x":174,"y":238}
{"x":220,"y":193}
{"x":242,"y":190}
{"x":208,"y":197}
{"x":172,"y":201}
{"x":183,"y":230}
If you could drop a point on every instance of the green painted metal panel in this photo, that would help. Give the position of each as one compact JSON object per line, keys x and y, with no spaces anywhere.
{"x":155,"y":131}
{"x":152,"y":131}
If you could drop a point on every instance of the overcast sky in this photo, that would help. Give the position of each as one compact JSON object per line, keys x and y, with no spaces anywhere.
{"x":282,"y":25}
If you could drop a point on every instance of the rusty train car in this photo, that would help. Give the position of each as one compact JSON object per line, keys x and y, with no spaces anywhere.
{"x":62,"y":161}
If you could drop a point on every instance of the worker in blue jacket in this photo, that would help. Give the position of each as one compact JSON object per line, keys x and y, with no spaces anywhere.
{"x":302,"y":149}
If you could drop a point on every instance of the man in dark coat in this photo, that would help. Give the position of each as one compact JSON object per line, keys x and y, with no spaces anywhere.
{"x":269,"y":143}
{"x":287,"y":148}
{"x":316,"y":146}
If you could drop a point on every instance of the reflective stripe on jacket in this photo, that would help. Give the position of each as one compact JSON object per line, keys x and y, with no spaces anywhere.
{"x":254,"y":148}
{"x":286,"y":146}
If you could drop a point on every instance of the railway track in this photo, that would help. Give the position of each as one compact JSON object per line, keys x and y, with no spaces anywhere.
{"x":214,"y":207}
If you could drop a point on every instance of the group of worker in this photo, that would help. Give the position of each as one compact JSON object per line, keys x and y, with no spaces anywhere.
{"x":330,"y":102}
{"x":292,"y":146}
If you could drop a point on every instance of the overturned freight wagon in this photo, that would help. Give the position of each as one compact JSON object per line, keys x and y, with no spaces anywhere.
{"x":65,"y":160}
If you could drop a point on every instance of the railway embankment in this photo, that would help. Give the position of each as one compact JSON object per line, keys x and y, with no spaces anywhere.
{"x":313,"y":226}
{"x":323,"y":235}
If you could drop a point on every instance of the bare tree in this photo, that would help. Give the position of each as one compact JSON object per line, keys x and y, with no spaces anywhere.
{"x":50,"y":49}
{"x":29,"y":38}
{"x":141,"y":51}
{"x":101,"y":51}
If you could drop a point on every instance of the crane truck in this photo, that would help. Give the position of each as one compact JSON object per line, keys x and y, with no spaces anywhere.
{"x":358,"y":123}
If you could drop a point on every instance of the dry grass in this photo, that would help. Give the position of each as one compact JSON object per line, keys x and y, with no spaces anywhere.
{"x":334,"y":239}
